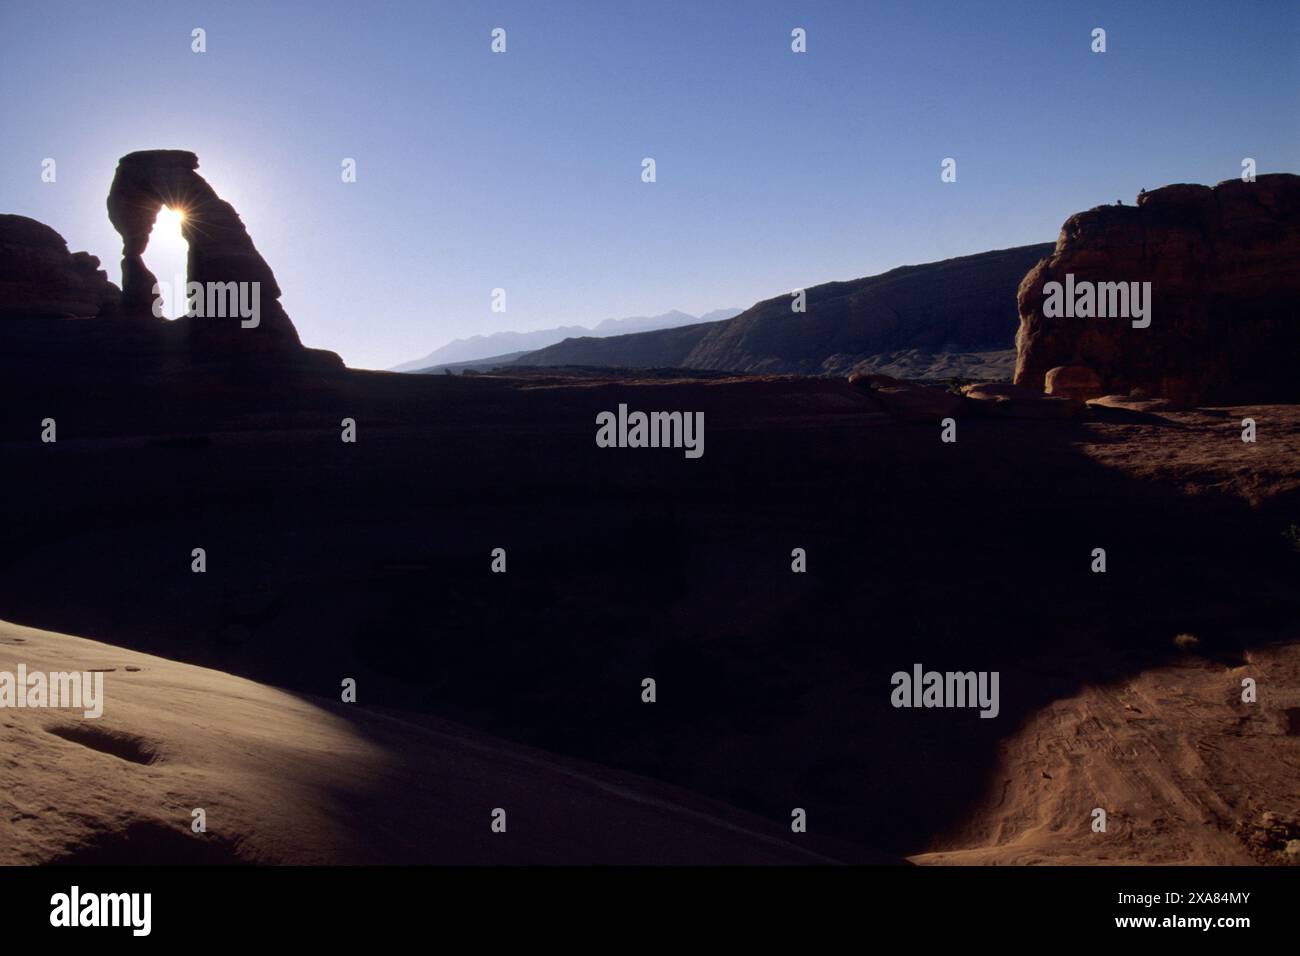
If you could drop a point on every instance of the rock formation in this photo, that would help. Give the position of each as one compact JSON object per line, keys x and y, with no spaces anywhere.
{"x":1074,"y":381}
{"x":40,"y":279}
{"x":42,"y":284}
{"x":220,"y":250}
{"x":1224,"y":268}
{"x":1016,"y":401}
{"x":913,"y":402}
{"x":907,"y":400}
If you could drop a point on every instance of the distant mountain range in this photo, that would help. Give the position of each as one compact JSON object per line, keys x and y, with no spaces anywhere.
{"x":960,"y":306}
{"x":505,"y":345}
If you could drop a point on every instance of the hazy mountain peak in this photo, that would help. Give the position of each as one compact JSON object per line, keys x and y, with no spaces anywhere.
{"x":501,"y":343}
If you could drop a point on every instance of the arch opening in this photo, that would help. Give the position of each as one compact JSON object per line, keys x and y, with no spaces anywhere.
{"x":167,"y":258}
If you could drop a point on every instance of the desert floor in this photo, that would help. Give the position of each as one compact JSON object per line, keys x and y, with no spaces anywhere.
{"x":328,"y":560}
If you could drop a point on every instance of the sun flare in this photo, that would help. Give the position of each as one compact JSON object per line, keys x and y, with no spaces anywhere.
{"x":167,"y":257}
{"x":169,"y":219}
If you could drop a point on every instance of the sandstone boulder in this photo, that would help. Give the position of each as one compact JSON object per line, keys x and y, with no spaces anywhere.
{"x":998,"y":392}
{"x":1017,"y":401}
{"x":1224,"y":268}
{"x":1130,"y":403}
{"x":40,"y":279}
{"x":1074,"y":381}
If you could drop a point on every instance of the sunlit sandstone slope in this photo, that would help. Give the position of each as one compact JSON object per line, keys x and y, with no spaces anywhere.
{"x":1186,"y":772}
{"x":286,"y":779}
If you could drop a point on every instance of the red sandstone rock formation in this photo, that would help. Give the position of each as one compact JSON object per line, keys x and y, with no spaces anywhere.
{"x":1224,"y":268}
{"x":39,"y":278}
{"x":220,"y":249}
{"x":1017,"y":401}
{"x":42,"y":284}
{"x":1074,"y":381}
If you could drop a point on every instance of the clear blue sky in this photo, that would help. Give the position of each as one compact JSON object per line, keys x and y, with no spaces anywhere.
{"x":522,"y":170}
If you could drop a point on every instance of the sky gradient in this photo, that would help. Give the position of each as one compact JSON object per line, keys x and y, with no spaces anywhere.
{"x":522,"y":170}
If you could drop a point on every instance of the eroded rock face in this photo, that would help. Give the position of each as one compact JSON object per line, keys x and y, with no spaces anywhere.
{"x":1224,"y":268}
{"x":220,"y":249}
{"x":40,"y":278}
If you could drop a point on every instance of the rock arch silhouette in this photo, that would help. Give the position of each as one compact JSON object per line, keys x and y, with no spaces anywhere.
{"x":220,"y":249}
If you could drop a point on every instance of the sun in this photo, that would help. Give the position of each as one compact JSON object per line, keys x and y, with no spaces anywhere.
{"x":169,"y":219}
{"x":167,"y":237}
{"x":167,"y":257}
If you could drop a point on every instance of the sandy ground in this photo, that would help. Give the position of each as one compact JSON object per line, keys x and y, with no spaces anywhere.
{"x":777,"y":695}
{"x":1181,"y":783}
{"x":1201,"y":451}
{"x":286,"y":779}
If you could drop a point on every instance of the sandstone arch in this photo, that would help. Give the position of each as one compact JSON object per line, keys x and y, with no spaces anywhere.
{"x":220,"y":249}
